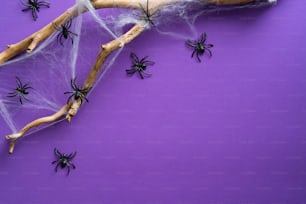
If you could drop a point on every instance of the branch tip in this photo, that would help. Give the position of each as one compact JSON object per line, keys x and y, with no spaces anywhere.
{"x":12,"y":147}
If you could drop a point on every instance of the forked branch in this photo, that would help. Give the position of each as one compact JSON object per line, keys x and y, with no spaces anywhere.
{"x":30,"y":43}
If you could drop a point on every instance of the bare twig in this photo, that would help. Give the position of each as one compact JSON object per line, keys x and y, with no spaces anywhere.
{"x":30,"y":43}
{"x":14,"y":137}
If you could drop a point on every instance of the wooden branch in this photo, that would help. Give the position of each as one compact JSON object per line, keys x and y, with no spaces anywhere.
{"x":31,"y":42}
{"x":14,"y":137}
{"x":105,"y":51}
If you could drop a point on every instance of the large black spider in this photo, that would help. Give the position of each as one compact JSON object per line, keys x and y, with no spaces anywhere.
{"x":147,"y":15}
{"x":34,"y":5}
{"x":199,"y":46}
{"x":78,"y":92}
{"x":64,"y":160}
{"x":64,"y":31}
{"x":139,"y":66}
{"x":21,"y":91}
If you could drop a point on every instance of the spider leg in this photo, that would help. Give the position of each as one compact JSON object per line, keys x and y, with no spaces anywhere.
{"x":150,"y":63}
{"x":71,"y":38}
{"x":68,"y":167}
{"x":193,"y":53}
{"x":54,"y":161}
{"x":68,"y":92}
{"x":143,"y":10}
{"x":73,"y":84}
{"x":190,"y":43}
{"x":69,"y":98}
{"x":72,"y":155}
{"x":58,"y":36}
{"x":12,"y":94}
{"x":199,"y":60}
{"x":26,"y":9}
{"x":72,"y":33}
{"x":134,"y":57}
{"x":68,"y":24}
{"x":147,"y":73}
{"x":44,"y":3}
{"x":25,"y":98}
{"x":140,"y":74}
{"x":203,"y":37}
{"x":27,"y":87}
{"x":151,"y":22}
{"x":73,"y":166}
{"x":34,"y":14}
{"x":23,"y":3}
{"x":20,"y":100}
{"x":57,"y":166}
{"x":61,"y":39}
{"x":209,"y":45}
{"x":18,"y":81}
{"x":55,"y":26}
{"x":143,"y":59}
{"x":84,"y":97}
{"x":130,"y":71}
{"x":87,"y":89}
{"x":57,"y":153}
{"x":209,"y":52}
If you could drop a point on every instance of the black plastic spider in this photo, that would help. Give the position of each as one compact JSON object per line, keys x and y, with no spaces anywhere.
{"x":34,"y":5}
{"x":21,"y":91}
{"x":64,"y":31}
{"x":64,"y":160}
{"x":78,"y":92}
{"x":147,"y":15}
{"x":139,"y":66}
{"x":200,"y":46}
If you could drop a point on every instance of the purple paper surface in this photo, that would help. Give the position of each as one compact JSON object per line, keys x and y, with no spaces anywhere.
{"x":229,"y":130}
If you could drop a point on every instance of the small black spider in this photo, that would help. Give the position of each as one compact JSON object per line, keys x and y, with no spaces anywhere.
{"x":34,"y":5}
{"x":78,"y":92}
{"x":21,"y":91}
{"x":200,"y":46}
{"x":147,"y":15}
{"x":139,"y":66}
{"x":64,"y":160}
{"x":64,"y":31}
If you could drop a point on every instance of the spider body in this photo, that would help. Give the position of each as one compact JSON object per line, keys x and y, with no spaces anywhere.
{"x":64,"y":160}
{"x":147,"y":15}
{"x":34,"y":6}
{"x":139,"y":65}
{"x":78,"y":92}
{"x":64,"y":31}
{"x":21,"y":91}
{"x":200,"y":47}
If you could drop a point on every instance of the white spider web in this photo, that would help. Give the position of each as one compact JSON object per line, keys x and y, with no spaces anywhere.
{"x":50,"y":68}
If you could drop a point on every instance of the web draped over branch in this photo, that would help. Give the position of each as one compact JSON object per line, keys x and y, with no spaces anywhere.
{"x":49,"y":69}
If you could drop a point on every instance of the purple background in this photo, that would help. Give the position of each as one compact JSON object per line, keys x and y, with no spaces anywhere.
{"x":228,"y":130}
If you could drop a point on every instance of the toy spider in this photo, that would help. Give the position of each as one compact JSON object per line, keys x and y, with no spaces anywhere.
{"x":64,"y":160}
{"x":147,"y":15}
{"x":199,"y":46}
{"x":21,"y":91}
{"x":64,"y":31}
{"x":139,"y":66}
{"x":34,"y":5}
{"x":78,"y":92}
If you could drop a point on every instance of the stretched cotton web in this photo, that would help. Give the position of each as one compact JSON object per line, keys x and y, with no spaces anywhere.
{"x":185,"y":13}
{"x":48,"y":71}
